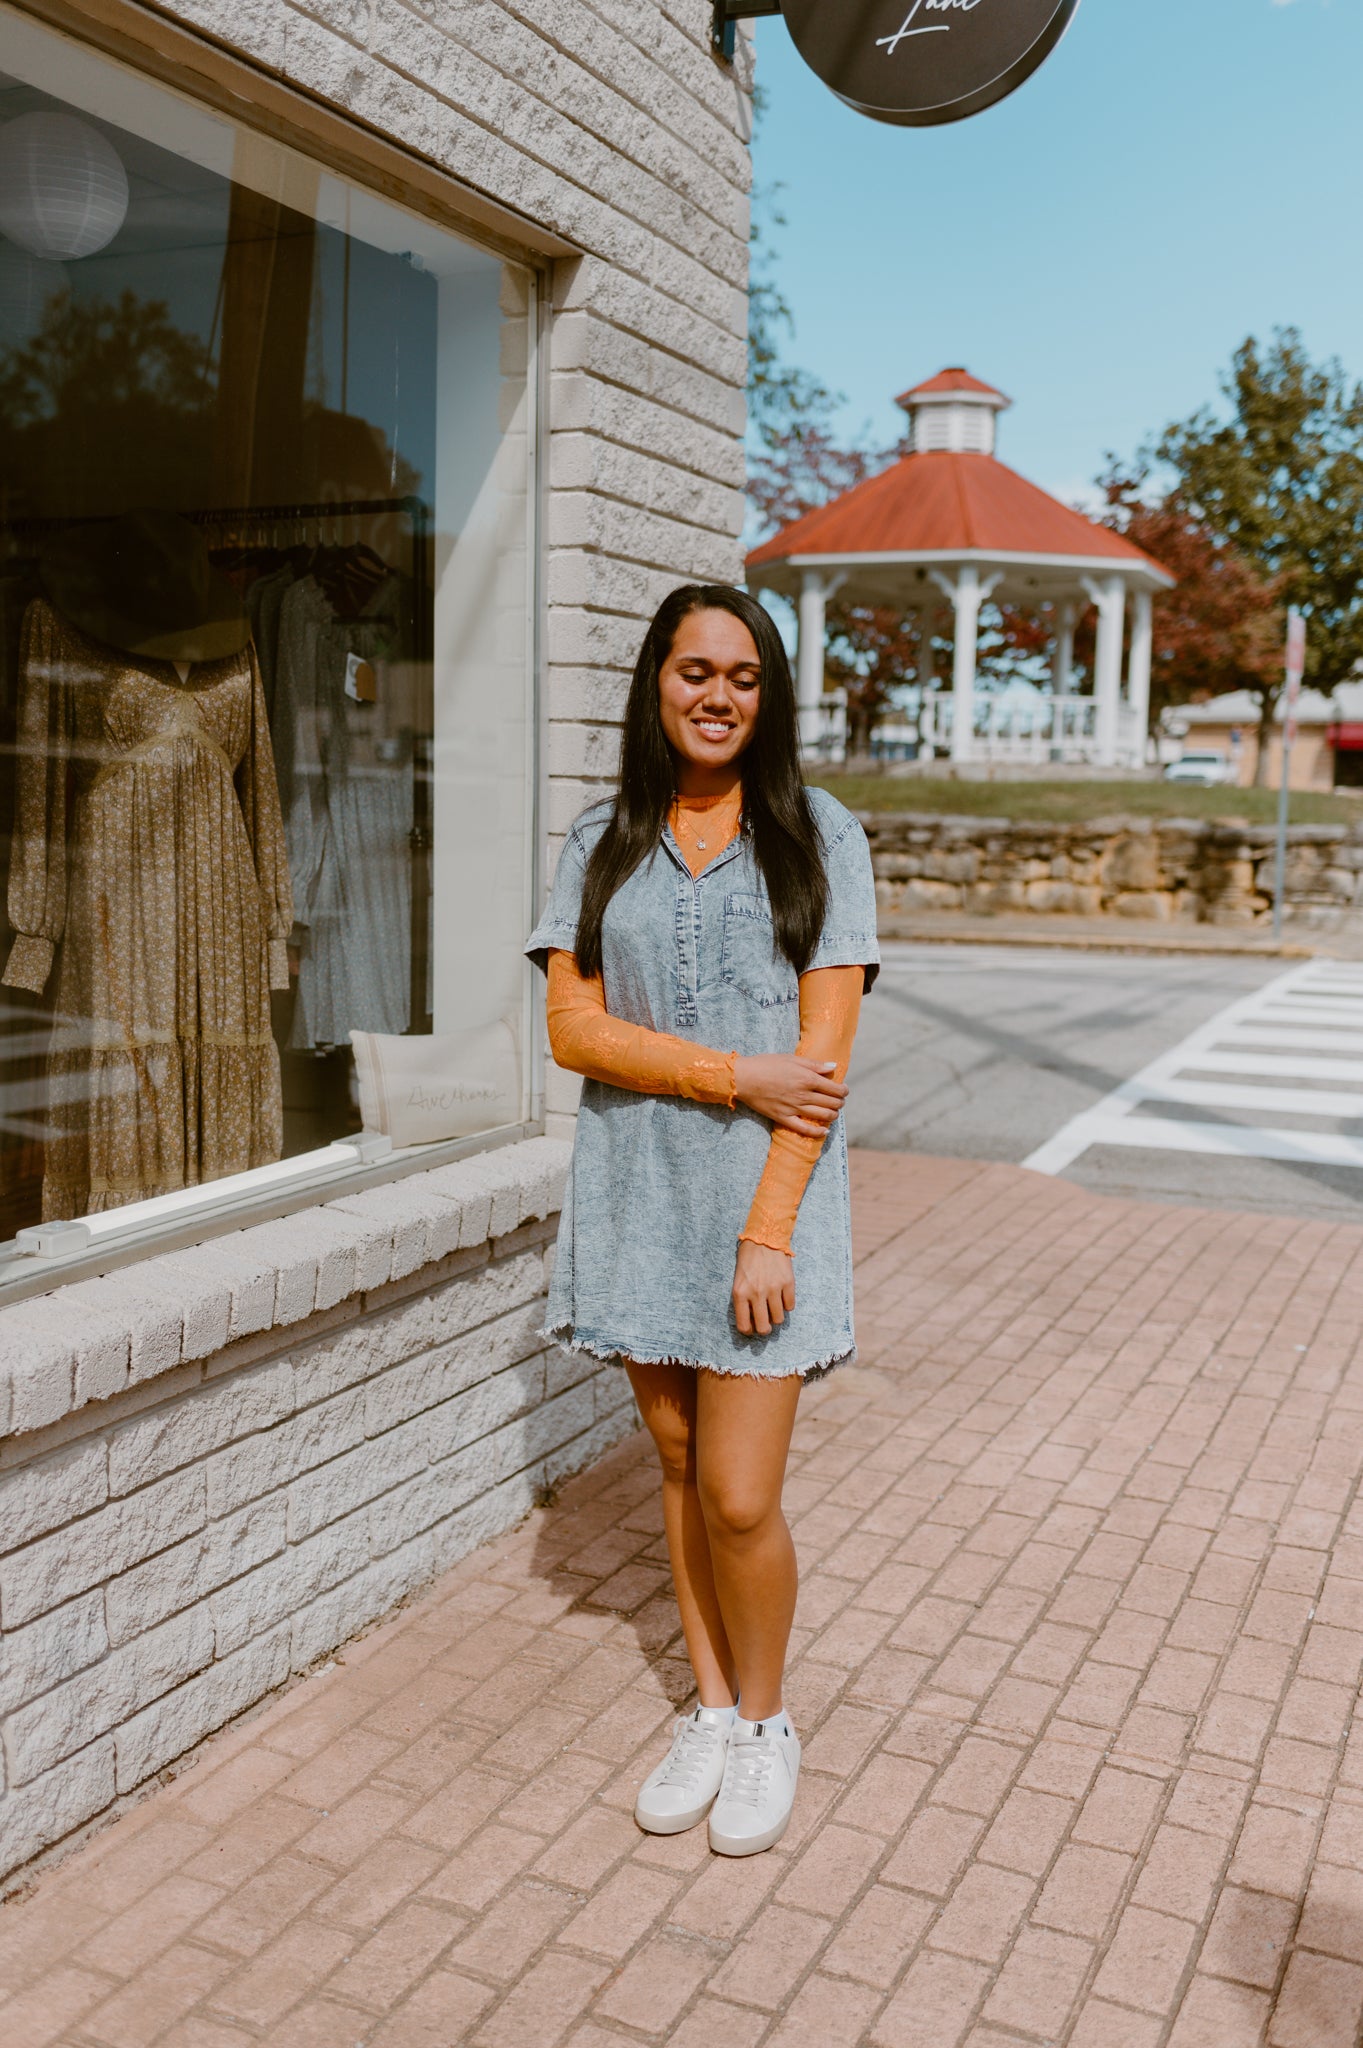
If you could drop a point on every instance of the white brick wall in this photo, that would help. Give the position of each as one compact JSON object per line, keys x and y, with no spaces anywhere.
{"x":201,"y":1540}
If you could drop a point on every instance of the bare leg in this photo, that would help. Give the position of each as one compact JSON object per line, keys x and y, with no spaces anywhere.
{"x":742,"y":1436}
{"x":666,"y":1395}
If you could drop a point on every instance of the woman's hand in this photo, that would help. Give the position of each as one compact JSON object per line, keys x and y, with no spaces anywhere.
{"x":793,"y":1093}
{"x":764,"y":1288}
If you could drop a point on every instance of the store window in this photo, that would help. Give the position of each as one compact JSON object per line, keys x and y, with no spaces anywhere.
{"x":266,"y":455}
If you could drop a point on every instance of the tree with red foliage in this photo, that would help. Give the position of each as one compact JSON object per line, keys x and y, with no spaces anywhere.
{"x":1221,"y":627}
{"x":871,"y":651}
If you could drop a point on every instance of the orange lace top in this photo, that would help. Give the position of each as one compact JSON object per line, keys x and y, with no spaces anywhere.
{"x":586,"y":1039}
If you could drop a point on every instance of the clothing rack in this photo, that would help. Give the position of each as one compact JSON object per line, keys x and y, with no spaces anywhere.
{"x":326,"y":508}
{"x":240,"y":515}
{"x":420,"y":838}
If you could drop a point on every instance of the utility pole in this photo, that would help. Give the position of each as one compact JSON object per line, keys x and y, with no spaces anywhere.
{"x":1296,"y":662}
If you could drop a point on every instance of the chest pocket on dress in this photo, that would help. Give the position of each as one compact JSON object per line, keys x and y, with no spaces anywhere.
{"x":750,"y":961}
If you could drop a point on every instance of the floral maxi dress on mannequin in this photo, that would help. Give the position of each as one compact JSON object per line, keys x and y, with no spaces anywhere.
{"x":148,"y":842}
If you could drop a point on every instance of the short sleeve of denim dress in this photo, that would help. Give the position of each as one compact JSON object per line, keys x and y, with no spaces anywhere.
{"x":660,"y":1186}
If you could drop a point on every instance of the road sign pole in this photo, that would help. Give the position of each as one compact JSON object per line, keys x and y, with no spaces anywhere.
{"x":1296,"y":662}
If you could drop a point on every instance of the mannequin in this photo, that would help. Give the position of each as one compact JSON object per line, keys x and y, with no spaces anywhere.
{"x":148,"y":844}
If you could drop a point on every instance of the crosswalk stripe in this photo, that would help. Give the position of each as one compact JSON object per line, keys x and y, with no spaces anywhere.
{"x":1282,"y":1101}
{"x":1308,"y":1040}
{"x":1282,"y":1066}
{"x":1236,"y":1141}
{"x":1345,"y":1011}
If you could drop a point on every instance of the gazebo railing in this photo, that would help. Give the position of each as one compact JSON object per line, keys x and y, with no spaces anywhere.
{"x":1008,"y":732}
{"x":1027,"y":733}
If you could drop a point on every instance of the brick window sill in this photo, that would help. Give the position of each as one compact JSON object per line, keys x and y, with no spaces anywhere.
{"x":92,"y":1340}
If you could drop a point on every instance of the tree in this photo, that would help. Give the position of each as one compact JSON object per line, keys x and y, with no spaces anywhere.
{"x":109,"y":404}
{"x":796,"y":461}
{"x":1280,"y":481}
{"x":871,"y":652}
{"x":1221,"y":627}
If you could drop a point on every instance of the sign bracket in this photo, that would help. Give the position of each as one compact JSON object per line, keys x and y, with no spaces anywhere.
{"x":727,"y":15}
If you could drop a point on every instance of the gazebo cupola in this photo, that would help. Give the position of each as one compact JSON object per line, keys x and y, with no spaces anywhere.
{"x":949,"y":521}
{"x":953,"y":410}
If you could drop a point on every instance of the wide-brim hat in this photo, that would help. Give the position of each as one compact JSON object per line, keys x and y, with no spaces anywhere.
{"x":143,"y":583}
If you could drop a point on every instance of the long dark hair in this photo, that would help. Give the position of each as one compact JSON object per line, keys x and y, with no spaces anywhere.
{"x":777,"y":814}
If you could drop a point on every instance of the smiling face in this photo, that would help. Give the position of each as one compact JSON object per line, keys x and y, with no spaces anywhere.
{"x":709,"y":691}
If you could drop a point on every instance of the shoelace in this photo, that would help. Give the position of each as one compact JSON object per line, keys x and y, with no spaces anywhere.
{"x":747,"y":1769}
{"x":691,"y":1749}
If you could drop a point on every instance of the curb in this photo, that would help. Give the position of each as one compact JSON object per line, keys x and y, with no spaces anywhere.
{"x":986,"y":934}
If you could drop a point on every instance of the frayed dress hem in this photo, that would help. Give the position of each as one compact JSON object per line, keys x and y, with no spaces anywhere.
{"x":615,"y":1354}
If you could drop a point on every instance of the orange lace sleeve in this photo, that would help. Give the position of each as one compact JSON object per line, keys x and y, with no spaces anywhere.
{"x":586,"y":1039}
{"x":830,"y":1006}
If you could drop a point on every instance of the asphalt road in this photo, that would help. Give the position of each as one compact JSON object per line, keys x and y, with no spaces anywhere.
{"x":1248,"y":1073}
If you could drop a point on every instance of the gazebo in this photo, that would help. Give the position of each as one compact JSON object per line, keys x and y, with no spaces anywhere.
{"x":950,"y":522}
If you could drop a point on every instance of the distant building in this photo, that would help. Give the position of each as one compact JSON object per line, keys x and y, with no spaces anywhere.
{"x":1326,"y":754}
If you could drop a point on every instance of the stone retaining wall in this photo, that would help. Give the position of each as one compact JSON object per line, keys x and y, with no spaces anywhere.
{"x":1182,"y":870}
{"x":198,"y":1503}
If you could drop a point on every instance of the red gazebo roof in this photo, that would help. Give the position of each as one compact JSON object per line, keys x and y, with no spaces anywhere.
{"x":941,"y":503}
{"x":947,"y":381}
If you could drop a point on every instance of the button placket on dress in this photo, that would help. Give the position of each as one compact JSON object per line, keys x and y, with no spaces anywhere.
{"x":687,"y":923}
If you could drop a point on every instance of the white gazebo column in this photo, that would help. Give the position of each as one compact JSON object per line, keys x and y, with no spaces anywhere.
{"x":815,"y":590}
{"x":1062,"y":655}
{"x":967,"y":593}
{"x":1062,"y":675}
{"x":1138,"y":671}
{"x":1110,"y":598}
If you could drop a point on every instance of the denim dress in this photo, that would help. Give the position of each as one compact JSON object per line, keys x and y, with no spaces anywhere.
{"x":660,"y":1186}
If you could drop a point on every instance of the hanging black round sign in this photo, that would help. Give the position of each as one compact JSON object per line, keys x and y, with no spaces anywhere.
{"x":920,"y":62}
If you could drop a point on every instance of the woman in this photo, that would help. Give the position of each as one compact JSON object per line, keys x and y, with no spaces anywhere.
{"x":707,"y":942}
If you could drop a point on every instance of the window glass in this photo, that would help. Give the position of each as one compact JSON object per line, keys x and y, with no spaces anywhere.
{"x":265,"y":649}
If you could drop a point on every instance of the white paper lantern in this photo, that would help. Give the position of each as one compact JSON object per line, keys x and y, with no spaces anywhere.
{"x":26,"y":285}
{"x":63,"y":188}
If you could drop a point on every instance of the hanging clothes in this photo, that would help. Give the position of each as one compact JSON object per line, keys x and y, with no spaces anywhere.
{"x":346,"y":783}
{"x":264,"y":601}
{"x":148,"y":843}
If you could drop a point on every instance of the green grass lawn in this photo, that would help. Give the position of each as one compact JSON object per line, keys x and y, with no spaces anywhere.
{"x":1075,"y":803}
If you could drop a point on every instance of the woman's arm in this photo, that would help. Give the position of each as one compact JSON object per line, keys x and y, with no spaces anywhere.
{"x":764,"y":1274}
{"x":796,"y":1093}
{"x":586,"y":1039}
{"x":830,"y":1007}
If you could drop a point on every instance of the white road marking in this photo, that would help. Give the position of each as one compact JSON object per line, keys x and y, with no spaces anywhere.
{"x":1283,"y":1032}
{"x":1322,"y":1040}
{"x":1279,"y":1065}
{"x":1234,"y":1141}
{"x":1284,"y":1101}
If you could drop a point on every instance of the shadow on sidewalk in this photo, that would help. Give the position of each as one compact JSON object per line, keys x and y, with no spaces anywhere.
{"x":602,"y":1557}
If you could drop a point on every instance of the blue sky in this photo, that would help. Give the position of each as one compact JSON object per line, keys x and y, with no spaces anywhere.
{"x":1179,"y":174}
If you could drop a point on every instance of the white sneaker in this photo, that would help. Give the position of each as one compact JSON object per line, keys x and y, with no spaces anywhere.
{"x":682,"y":1789}
{"x":760,"y":1775}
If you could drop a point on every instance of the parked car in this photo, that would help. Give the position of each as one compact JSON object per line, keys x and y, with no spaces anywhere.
{"x":1204,"y":771}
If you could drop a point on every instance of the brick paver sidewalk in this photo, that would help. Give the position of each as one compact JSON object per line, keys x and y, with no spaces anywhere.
{"x":1078,"y":1648}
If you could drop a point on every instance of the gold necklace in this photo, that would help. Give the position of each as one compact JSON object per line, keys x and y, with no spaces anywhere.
{"x":679,"y":814}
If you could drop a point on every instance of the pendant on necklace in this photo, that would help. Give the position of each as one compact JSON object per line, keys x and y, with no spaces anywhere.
{"x":701,"y":844}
